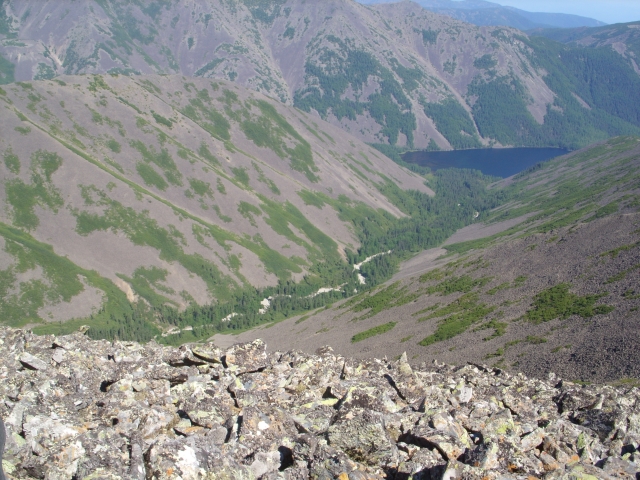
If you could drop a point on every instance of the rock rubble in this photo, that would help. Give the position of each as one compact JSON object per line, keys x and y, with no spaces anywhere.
{"x":81,"y":409}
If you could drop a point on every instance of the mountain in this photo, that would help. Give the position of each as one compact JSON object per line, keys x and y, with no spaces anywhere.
{"x":484,"y":13}
{"x":388,"y":74}
{"x":547,"y":282}
{"x":176,"y":208}
{"x":624,"y":38}
{"x":168,"y":192}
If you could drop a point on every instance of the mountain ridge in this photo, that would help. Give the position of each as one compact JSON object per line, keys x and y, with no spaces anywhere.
{"x":396,"y":75}
{"x":623,"y":38}
{"x":480,"y":12}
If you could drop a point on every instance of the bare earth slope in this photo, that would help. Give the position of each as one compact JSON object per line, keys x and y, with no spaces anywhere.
{"x":173,"y":189}
{"x":553,"y":288}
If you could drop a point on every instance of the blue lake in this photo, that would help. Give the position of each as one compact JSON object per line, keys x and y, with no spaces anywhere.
{"x":500,"y":162}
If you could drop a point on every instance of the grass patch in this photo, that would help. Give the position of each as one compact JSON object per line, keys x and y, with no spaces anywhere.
{"x":311,"y":198}
{"x":463,"y":284}
{"x":150,"y":177}
{"x":499,"y":329}
{"x":465,"y":302}
{"x":280,"y":215}
{"x":372,"y":332}
{"x":271,"y":130}
{"x":23,"y":197}
{"x":425,"y":310}
{"x":146,"y":283}
{"x":464,"y":247}
{"x":161,"y":159}
{"x":23,"y":130}
{"x":502,"y":286}
{"x":12,"y":162}
{"x":200,"y":187}
{"x":498,"y":353}
{"x":607,"y":210}
{"x":534,"y":340}
{"x":622,"y":275}
{"x":114,"y":146}
{"x":381,"y":300}
{"x":241,"y":175}
{"x":162,"y":120}
{"x":558,"y":302}
{"x":248,"y":210}
{"x":461,"y":314}
{"x":627,"y":382}
{"x":518,"y":282}
{"x":302,"y":319}
{"x":617,"y":251}
{"x":267,"y":181}
{"x":202,"y":112}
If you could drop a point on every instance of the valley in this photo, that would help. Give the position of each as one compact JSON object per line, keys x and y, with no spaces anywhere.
{"x":138,"y":198}
{"x":551,"y":284}
{"x":235,"y":171}
{"x":219,"y":261}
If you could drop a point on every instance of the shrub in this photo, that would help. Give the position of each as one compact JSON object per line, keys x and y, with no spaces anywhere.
{"x":558,"y":302}
{"x":372,"y":332}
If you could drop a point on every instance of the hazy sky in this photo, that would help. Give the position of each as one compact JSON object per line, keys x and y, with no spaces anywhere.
{"x":609,"y":11}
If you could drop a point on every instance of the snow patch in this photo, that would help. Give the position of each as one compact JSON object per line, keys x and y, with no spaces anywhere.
{"x":325,"y":290}
{"x":229,"y":317}
{"x":357,"y":266}
{"x":266,"y":303}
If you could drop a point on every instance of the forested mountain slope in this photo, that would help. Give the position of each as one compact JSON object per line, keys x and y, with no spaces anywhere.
{"x":389,"y":73}
{"x":175,"y":192}
{"x":623,"y":38}
{"x":549,"y":284}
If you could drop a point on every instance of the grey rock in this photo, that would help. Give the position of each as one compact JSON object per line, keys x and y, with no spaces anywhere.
{"x":32,"y":362}
{"x":102,"y":410}
{"x":362,"y":436}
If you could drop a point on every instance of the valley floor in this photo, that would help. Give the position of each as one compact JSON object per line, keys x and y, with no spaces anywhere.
{"x":598,"y":260}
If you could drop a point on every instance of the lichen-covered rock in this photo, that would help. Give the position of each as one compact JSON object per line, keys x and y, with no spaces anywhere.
{"x":247,"y":357}
{"x":77,"y":408}
{"x":362,"y":436}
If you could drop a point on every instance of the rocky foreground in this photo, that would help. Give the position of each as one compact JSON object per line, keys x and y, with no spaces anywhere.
{"x":78,"y":409}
